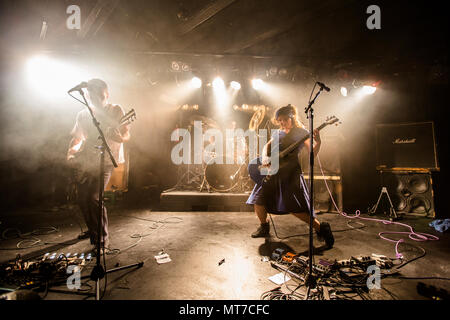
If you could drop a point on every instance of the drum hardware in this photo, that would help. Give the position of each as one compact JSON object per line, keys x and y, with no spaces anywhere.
{"x":223,"y":177}
{"x":227,"y":176}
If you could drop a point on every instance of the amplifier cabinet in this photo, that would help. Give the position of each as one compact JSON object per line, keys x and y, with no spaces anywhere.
{"x":411,"y":192}
{"x":406,"y":146}
{"x":322,"y":199}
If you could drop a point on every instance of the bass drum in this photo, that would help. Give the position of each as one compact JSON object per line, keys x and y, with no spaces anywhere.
{"x":222,"y":177}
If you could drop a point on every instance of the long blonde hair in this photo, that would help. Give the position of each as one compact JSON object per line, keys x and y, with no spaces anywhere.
{"x":289,"y":111}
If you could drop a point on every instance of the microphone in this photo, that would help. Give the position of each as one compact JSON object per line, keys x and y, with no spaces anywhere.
{"x":78,"y":87}
{"x":323,"y":86}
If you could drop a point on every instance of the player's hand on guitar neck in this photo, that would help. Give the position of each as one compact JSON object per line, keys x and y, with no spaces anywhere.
{"x":316,"y":136}
{"x":114,"y":134}
{"x":265,"y":161}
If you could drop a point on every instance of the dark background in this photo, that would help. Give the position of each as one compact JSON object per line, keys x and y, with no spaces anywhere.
{"x":131,"y":45}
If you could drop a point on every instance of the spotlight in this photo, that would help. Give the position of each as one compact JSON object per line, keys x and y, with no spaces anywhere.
{"x":218,"y":83}
{"x":235,"y":85}
{"x":369,"y":89}
{"x":257,"y":84}
{"x":196,"y":82}
{"x":282,"y":72}
{"x":195,"y":106}
{"x":235,"y":107}
{"x":273,"y":71}
{"x":175,"y":66}
{"x":185,"y":67}
{"x":344,"y":91}
{"x":49,"y":76}
{"x":220,"y":94}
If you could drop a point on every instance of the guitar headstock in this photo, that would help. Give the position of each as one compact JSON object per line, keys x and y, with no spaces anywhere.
{"x":332,"y":120}
{"x":130,"y":116}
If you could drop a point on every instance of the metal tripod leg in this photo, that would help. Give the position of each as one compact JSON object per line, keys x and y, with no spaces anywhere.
{"x":392,"y":213}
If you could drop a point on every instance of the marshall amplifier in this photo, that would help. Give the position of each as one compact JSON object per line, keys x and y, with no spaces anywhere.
{"x":407,"y":147}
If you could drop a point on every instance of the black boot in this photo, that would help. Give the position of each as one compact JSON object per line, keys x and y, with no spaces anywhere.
{"x":84,"y":235}
{"x":262,"y":231}
{"x":326,"y":235}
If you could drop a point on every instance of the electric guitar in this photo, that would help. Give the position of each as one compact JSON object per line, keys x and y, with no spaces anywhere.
{"x":255,"y":166}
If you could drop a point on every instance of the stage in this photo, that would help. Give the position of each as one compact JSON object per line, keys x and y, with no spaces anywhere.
{"x":204,"y":201}
{"x":212,"y":254}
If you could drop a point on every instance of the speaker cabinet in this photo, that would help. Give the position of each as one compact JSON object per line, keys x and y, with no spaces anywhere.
{"x":411,"y":193}
{"x":406,"y":146}
{"x":322,"y":199}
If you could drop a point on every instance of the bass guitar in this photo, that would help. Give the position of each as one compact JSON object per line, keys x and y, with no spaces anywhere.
{"x":255,"y":166}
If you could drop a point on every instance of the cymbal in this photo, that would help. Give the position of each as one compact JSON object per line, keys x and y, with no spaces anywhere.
{"x":257,"y":118}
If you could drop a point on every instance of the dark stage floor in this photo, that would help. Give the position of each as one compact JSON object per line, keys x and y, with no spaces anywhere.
{"x":198,"y":241}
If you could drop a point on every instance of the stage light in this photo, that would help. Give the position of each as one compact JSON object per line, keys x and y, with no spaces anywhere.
{"x":369,"y":89}
{"x":282,"y":72}
{"x":218,"y":83}
{"x":257,"y":84}
{"x":273,"y":71}
{"x":51,"y":77}
{"x":196,"y":82}
{"x":175,"y":66}
{"x":185,"y":67}
{"x":344,"y":91}
{"x":235,"y":85}
{"x":195,"y":107}
{"x":235,"y":107}
{"x":220,"y":94}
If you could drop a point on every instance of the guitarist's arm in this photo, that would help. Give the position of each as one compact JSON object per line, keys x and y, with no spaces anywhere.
{"x":122,"y":134}
{"x":265,"y":159}
{"x":73,"y":147}
{"x":317,"y":140}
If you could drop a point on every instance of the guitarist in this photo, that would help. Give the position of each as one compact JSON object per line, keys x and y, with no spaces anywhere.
{"x":286,"y":192}
{"x":84,"y":156}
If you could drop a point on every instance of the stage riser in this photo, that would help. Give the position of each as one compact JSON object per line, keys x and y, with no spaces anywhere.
{"x":196,"y":201}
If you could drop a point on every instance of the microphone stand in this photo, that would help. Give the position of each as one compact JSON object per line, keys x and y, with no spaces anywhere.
{"x":310,"y":281}
{"x":98,"y":272}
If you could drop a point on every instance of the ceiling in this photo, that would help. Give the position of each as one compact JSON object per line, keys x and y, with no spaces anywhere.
{"x":322,"y":35}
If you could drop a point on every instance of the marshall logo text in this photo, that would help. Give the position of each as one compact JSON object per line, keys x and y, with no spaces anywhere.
{"x":404,"y":141}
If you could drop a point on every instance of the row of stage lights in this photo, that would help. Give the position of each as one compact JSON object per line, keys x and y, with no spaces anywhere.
{"x":364,"y":89}
{"x":258,"y":84}
{"x":47,"y":76}
{"x":243,"y":107}
{"x":218,"y":84}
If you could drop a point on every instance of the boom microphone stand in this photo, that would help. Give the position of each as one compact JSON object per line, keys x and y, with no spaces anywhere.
{"x":98,"y":272}
{"x":310,"y":281}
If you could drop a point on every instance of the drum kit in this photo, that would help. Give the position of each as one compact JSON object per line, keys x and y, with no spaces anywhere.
{"x":219,"y":172}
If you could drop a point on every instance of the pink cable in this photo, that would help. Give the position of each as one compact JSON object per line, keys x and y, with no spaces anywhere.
{"x":416,"y":236}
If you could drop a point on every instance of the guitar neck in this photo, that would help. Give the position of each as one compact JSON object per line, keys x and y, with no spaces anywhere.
{"x":295,"y":145}
{"x":127,"y":119}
